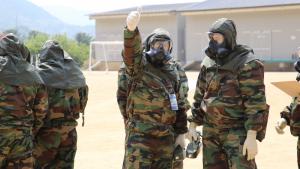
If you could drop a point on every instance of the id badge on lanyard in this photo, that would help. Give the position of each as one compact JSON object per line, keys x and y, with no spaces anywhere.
{"x":173,"y":101}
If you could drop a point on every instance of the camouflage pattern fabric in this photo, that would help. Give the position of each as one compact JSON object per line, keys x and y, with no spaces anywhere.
{"x":223,"y":98}
{"x":122,"y":91}
{"x":177,"y":164}
{"x":16,"y":149}
{"x":291,"y":114}
{"x":148,"y":151}
{"x":232,"y":99}
{"x":152,"y":124}
{"x":122,"y":100}
{"x":55,"y":146}
{"x":22,"y":110}
{"x":222,"y":149}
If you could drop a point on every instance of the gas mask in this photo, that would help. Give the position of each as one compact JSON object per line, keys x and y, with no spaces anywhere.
{"x":217,"y":51}
{"x":159,"y":52}
{"x":217,"y":48}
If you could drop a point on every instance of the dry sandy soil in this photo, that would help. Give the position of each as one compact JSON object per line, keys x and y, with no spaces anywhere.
{"x":101,"y":140}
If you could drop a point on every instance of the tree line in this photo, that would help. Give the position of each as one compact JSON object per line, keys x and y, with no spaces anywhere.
{"x":77,"y":47}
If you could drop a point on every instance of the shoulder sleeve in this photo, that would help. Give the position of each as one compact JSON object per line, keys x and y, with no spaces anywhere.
{"x":122,"y":92}
{"x":183,"y":103}
{"x":40,"y":107}
{"x":197,"y":112}
{"x":251,"y":81}
{"x":132,"y":52}
{"x":287,"y":111}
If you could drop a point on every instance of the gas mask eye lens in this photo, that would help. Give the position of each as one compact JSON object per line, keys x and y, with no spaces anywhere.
{"x":217,"y":37}
{"x":156,"y":45}
{"x":161,"y":44}
{"x":166,"y":45}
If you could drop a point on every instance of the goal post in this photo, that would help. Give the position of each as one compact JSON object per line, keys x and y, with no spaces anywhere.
{"x":103,"y":52}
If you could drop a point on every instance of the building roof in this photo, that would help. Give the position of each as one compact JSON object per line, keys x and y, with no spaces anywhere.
{"x":146,"y":9}
{"x":208,"y":5}
{"x":236,"y":4}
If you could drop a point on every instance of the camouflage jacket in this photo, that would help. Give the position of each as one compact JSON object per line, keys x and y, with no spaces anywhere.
{"x":122,"y":91}
{"x":23,"y":106}
{"x":150,"y":88}
{"x":291,"y":114}
{"x":228,"y":99}
{"x":65,"y":105}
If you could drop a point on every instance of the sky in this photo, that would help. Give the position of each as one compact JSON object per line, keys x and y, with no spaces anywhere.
{"x":103,"y":5}
{"x":76,"y":11}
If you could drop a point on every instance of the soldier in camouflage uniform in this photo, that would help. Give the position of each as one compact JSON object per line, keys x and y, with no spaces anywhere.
{"x":229,"y":101}
{"x":55,"y":146}
{"x":122,"y":100}
{"x":291,"y":116}
{"x":23,"y":104}
{"x":156,"y":101}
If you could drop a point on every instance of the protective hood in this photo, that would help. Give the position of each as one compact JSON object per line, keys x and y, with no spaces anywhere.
{"x":14,"y":69}
{"x":227,"y":28}
{"x":158,"y":57}
{"x":158,"y":33}
{"x":241,"y":55}
{"x":58,"y":69}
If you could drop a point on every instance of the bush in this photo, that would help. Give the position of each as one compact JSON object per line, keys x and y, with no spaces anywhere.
{"x":78,"y":51}
{"x":35,"y":41}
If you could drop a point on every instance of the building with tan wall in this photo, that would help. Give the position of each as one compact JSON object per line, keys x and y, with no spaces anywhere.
{"x":270,"y":27}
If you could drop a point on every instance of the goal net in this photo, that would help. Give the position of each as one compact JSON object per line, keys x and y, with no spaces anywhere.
{"x":102,"y":53}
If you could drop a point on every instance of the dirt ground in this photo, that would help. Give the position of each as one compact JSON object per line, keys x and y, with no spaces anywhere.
{"x":101,"y":140}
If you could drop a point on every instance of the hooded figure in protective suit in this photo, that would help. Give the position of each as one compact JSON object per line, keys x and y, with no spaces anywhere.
{"x":23,"y":104}
{"x":229,"y":101}
{"x":55,"y":145}
{"x":156,"y":99}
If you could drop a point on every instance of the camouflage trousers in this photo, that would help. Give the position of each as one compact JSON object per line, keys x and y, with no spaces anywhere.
{"x":177,"y":164}
{"x":148,"y":151}
{"x":55,"y":147}
{"x":222,"y":149}
{"x":16,"y":149}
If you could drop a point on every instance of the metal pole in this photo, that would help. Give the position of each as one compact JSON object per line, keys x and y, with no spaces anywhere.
{"x":105,"y":58}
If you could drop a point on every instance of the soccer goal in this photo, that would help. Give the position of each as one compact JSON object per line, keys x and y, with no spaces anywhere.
{"x":104,"y":52}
